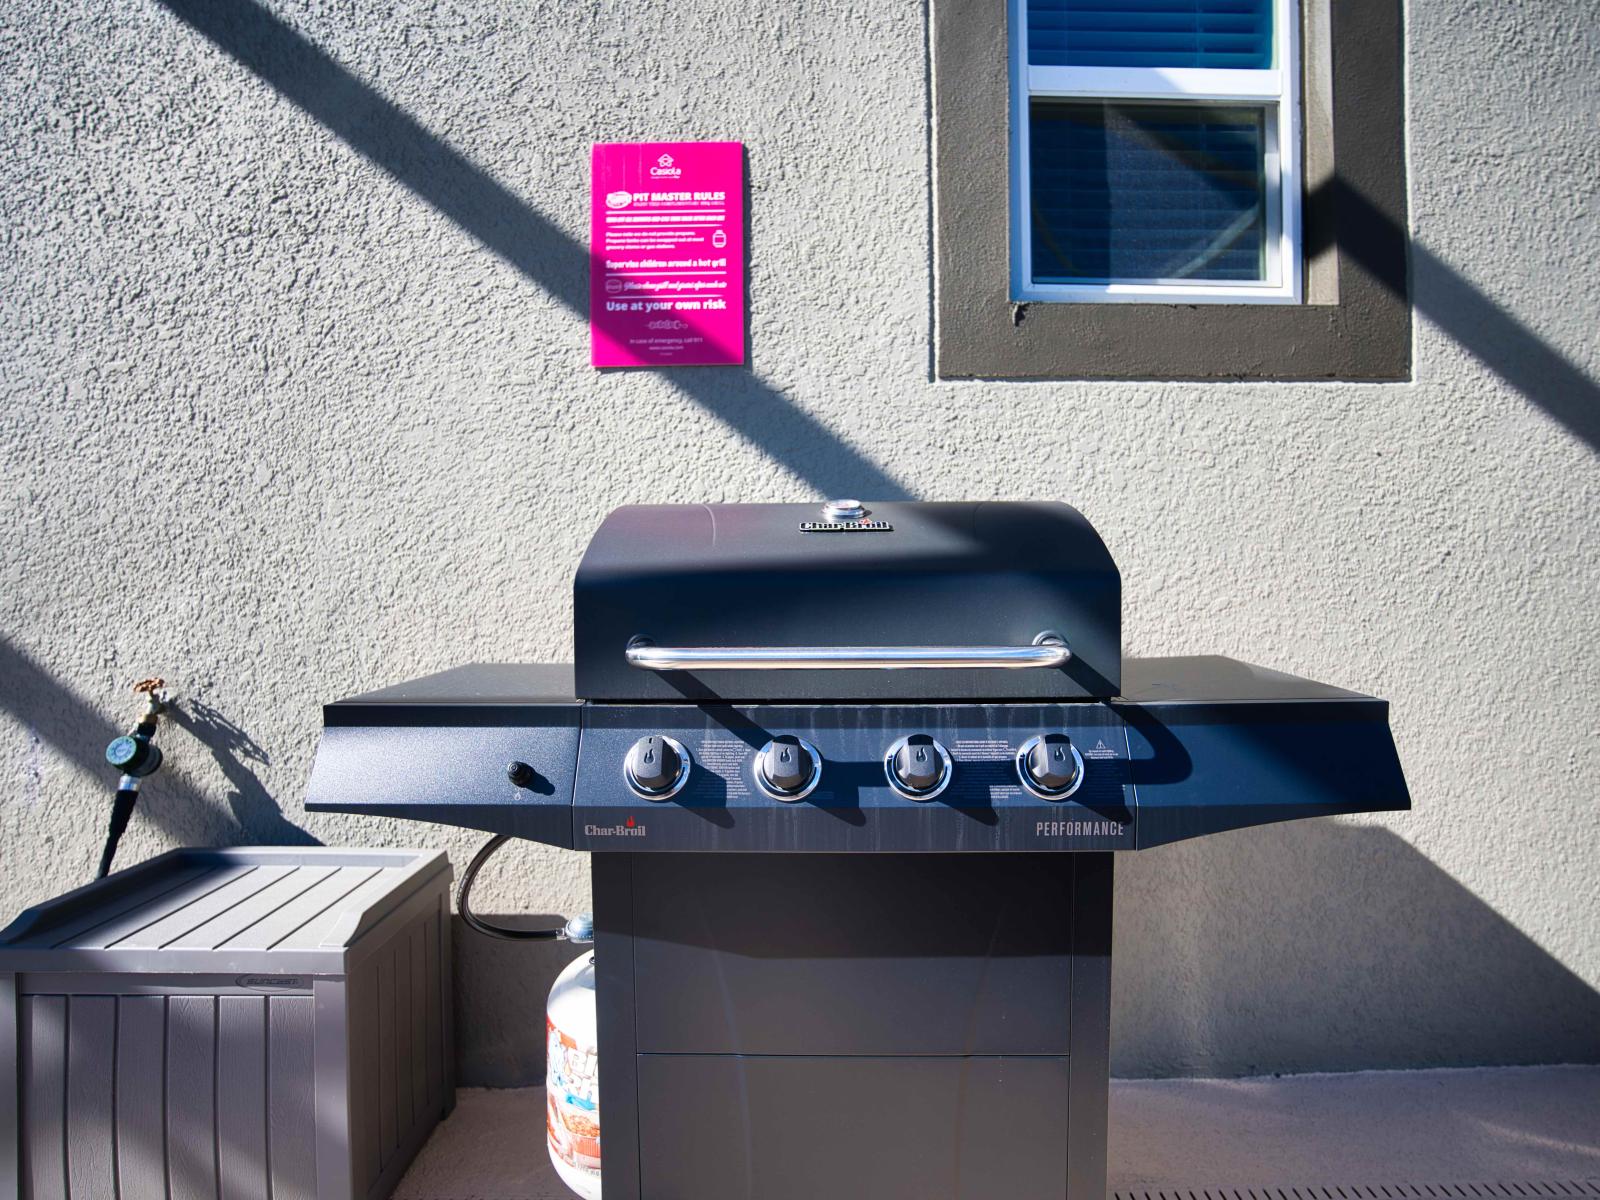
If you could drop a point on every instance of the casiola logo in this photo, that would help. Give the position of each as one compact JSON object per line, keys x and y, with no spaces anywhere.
{"x":273,"y":983}
{"x":664,"y":168}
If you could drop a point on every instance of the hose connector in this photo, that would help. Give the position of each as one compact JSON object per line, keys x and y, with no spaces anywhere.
{"x":135,"y":754}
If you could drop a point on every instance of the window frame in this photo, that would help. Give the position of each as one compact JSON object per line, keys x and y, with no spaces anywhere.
{"x":1355,"y":323}
{"x":1275,"y":88}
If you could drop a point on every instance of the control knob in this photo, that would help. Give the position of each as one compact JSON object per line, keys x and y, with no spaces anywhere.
{"x":787,"y":768}
{"x":656,"y":767}
{"x":1050,"y":766}
{"x":918,"y":767}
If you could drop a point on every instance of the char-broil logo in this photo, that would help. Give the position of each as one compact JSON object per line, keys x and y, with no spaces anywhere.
{"x":629,"y":828}
{"x":664,"y":168}
{"x":846,"y":527}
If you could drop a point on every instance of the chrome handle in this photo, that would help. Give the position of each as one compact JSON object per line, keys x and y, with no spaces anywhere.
{"x":1048,"y":650}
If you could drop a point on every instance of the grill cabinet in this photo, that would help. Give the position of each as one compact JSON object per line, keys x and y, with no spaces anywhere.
{"x":242,"y":1022}
{"x":854,"y":988}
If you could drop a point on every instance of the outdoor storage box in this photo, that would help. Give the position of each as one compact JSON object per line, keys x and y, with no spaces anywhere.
{"x":227,"y":1024}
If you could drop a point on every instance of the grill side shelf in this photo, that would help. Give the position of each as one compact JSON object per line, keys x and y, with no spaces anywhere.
{"x":455,"y":774}
{"x":1205,"y":766}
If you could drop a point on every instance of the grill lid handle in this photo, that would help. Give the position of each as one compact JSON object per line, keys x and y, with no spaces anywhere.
{"x":1048,"y":650}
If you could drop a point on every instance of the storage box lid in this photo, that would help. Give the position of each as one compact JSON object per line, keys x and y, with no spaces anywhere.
{"x":265,"y":911}
{"x":973,"y":584}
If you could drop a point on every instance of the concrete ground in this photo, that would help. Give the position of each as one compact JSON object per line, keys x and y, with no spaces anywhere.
{"x":1507,"y":1126}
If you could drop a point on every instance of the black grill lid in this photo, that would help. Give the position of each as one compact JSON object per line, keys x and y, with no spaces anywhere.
{"x":698,"y":595}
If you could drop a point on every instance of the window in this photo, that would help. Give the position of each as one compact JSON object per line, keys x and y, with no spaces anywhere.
{"x":1156,"y":151}
{"x":1169,"y":189}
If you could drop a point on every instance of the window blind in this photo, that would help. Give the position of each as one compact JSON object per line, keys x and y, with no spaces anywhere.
{"x":1235,"y":34}
{"x":1146,"y":191}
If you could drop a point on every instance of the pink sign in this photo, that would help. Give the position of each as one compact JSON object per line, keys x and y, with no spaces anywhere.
{"x":666,"y":254}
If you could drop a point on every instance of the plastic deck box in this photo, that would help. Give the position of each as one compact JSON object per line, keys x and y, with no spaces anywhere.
{"x":228,"y":1024}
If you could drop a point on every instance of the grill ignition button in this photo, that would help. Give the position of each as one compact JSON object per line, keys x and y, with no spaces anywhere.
{"x":1049,"y":766}
{"x":656,"y":767}
{"x":787,"y":768}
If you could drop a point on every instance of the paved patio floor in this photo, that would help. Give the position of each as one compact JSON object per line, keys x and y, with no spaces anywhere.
{"x":1515,"y":1127}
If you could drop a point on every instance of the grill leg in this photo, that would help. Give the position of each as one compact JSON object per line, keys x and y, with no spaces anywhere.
{"x":611,"y":877}
{"x":1091,"y":1025}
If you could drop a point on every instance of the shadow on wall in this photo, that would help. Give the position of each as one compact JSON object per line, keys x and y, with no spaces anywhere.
{"x":1478,"y":324}
{"x":1323,"y":946}
{"x":172,"y":802}
{"x":500,"y":991}
{"x":446,"y":179}
{"x":256,"y":812}
{"x":441,"y":176}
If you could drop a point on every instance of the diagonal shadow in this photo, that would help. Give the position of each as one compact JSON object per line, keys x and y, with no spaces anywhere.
{"x":441,"y":176}
{"x":444,"y":178}
{"x":233,"y":749}
{"x":39,"y":702}
{"x":1340,"y":948}
{"x":170,"y":800}
{"x":1472,"y":319}
{"x":1359,"y":229}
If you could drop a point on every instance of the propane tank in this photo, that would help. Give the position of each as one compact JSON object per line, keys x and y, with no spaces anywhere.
{"x":572,"y":1078}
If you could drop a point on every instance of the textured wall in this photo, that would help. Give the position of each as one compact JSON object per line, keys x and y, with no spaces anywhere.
{"x":296,"y":403}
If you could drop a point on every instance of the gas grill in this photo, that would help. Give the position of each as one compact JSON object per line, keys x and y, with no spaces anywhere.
{"x":852,"y":777}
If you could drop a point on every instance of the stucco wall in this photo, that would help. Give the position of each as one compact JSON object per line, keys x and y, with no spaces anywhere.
{"x":296,"y":403}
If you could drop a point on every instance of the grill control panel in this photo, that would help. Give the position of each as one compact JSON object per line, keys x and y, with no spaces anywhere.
{"x":1005,"y":776}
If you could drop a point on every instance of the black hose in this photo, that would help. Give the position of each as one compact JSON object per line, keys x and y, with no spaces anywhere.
{"x":473,"y":921}
{"x":121,"y":813}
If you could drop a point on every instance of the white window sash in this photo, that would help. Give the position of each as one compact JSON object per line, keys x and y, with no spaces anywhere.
{"x":1175,"y":83}
{"x":1277,"y":90}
